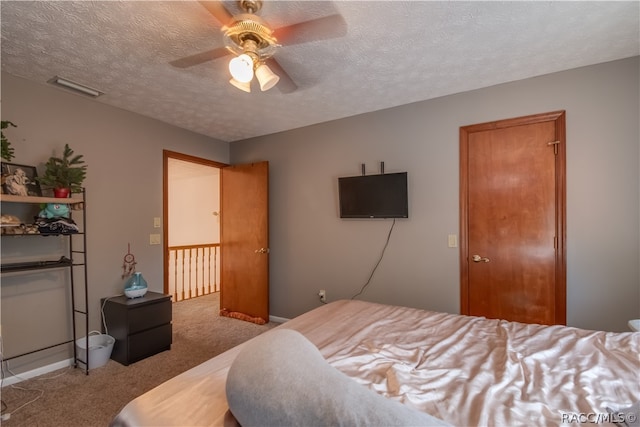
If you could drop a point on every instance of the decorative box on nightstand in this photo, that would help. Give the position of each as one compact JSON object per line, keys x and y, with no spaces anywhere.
{"x":141,"y":326}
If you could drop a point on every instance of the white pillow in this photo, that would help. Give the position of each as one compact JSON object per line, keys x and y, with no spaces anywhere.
{"x":281,"y":379}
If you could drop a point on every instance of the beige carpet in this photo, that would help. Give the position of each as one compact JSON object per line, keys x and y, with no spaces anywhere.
{"x":75,"y":399}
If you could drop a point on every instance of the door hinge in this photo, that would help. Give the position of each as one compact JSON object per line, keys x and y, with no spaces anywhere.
{"x":555,"y":146}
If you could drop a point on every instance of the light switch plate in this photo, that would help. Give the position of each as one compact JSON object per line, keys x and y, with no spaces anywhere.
{"x":157,"y":222}
{"x":154,"y":239}
{"x":453,"y":240}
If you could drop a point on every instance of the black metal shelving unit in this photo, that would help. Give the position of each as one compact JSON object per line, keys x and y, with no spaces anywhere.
{"x":74,"y":260}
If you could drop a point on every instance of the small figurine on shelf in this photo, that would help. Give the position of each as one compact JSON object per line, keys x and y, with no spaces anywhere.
{"x":55,"y":210}
{"x":17,"y":182}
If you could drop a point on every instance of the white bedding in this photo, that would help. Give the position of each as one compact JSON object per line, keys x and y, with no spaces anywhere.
{"x":465,"y":370}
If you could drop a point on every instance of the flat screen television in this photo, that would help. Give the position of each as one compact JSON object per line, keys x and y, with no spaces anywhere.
{"x":374,"y":196}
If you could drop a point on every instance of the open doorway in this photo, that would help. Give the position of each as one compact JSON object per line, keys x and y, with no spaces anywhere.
{"x":191,"y":223}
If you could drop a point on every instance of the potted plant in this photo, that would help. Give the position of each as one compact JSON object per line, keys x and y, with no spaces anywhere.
{"x":64,"y":174}
{"x":7,"y":149}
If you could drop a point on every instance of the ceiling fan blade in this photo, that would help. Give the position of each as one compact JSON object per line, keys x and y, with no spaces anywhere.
{"x":286,"y":83}
{"x":199,"y":58}
{"x":217,"y":9}
{"x":328,"y":27}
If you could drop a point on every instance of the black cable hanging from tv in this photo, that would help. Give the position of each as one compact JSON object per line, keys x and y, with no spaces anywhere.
{"x":377,"y":263}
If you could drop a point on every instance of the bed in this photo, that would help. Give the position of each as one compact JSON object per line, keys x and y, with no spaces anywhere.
{"x":463,"y":370}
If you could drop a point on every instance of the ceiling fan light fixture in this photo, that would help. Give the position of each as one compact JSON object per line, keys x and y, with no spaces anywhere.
{"x":266,"y":77}
{"x":244,"y":86}
{"x":241,"y":68}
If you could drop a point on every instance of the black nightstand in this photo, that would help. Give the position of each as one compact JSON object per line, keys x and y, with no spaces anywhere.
{"x":141,"y":326}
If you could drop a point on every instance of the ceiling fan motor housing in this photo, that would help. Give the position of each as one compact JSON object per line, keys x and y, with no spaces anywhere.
{"x":248,"y":27}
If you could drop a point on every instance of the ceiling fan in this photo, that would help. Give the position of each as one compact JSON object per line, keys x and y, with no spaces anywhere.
{"x":253,"y":44}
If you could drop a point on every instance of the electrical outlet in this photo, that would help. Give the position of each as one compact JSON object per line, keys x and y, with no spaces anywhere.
{"x":323,"y":295}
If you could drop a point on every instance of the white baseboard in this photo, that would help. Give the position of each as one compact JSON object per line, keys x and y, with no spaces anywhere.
{"x":277,"y":319}
{"x":14,"y":379}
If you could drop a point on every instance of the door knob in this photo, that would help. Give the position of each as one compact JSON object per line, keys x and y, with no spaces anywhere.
{"x":262,"y":251}
{"x":478,"y":258}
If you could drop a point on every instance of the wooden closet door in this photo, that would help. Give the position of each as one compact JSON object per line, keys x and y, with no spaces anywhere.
{"x":512,"y":219}
{"x":245,"y":241}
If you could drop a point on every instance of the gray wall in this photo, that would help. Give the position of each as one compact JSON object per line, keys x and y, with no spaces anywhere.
{"x":312,"y":249}
{"x":123,"y":152}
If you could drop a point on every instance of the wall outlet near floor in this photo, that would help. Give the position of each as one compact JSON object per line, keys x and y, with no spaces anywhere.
{"x":323,"y":295}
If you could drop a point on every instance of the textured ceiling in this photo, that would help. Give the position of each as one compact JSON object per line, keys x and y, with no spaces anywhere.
{"x":394,"y":53}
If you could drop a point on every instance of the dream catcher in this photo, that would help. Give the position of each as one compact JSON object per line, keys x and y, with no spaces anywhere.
{"x":129,"y":265}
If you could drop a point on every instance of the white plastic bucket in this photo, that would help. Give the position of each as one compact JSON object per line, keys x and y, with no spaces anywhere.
{"x":100,"y":347}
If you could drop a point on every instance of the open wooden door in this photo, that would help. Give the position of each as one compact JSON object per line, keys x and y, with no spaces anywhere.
{"x":244,"y":241}
{"x":512,"y":202}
